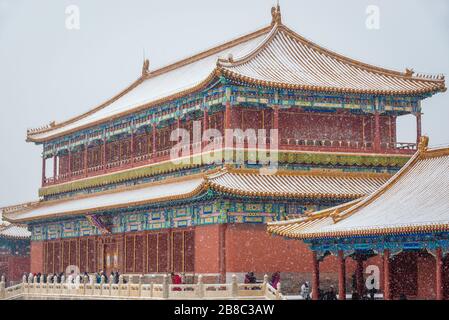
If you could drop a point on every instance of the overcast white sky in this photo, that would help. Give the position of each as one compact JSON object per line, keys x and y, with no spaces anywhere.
{"x":50,"y":73}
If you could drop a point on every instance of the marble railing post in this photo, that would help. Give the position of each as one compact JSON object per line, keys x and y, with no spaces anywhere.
{"x":315,"y":277}
{"x":165,"y":287}
{"x":386,"y":262}
{"x":2,"y":288}
{"x":200,"y":286}
{"x":439,"y":275}
{"x":278,"y":291}
{"x":264,"y":284}
{"x":234,"y":287}
{"x":85,"y":283}
{"x":140,"y":284}
{"x":341,"y":276}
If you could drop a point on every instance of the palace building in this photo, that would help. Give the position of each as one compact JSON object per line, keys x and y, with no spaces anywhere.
{"x":14,"y":251}
{"x":115,"y":199}
{"x":406,"y":222}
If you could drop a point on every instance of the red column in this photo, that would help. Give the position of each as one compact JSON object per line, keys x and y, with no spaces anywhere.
{"x":439,"y":275}
{"x":70,"y":164}
{"x":222,"y":253}
{"x":43,"y":170}
{"x":341,"y":276}
{"x":315,"y":276}
{"x":205,"y":120}
{"x":377,"y":132}
{"x":275,"y":117}
{"x":104,"y":154}
{"x":86,"y":149}
{"x":228,"y":115}
{"x":55,"y":167}
{"x":178,"y":127}
{"x":359,"y":276}
{"x":132,"y":149}
{"x":418,"y":127}
{"x":386,"y":262}
{"x":154,"y":140}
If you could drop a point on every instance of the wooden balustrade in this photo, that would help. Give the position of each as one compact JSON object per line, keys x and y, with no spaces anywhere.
{"x":286,"y":144}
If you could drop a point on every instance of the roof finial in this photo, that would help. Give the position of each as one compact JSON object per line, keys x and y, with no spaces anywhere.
{"x":423,"y":143}
{"x":276,"y":14}
{"x":145,"y":65}
{"x":409,"y":72}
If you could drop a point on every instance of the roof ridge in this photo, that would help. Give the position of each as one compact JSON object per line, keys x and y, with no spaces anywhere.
{"x":209,"y":52}
{"x":183,"y":62}
{"x":230,"y":60}
{"x":421,"y":153}
{"x":107,"y":192}
{"x":408,"y":74}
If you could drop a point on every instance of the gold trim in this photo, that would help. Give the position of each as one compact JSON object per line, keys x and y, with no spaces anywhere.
{"x":140,"y":80}
{"x":352,"y":208}
{"x":208,"y":182}
{"x":220,"y":70}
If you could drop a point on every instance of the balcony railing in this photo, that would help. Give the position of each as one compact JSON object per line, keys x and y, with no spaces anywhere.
{"x":85,"y":289}
{"x":286,"y":144}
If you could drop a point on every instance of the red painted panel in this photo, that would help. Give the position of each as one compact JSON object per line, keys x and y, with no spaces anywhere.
{"x":152,"y":252}
{"x":139,"y":253}
{"x":57,"y":256}
{"x":189,"y":251}
{"x":73,"y":252}
{"x":129,"y":263}
{"x":404,"y":274}
{"x":206,"y":249}
{"x":178,"y":254}
{"x":92,"y":266}
{"x":50,"y":256}
{"x":17,"y":266}
{"x":66,"y":254}
{"x":163,"y":248}
{"x":446,"y":276}
{"x":83,"y":255}
{"x":426,"y":276}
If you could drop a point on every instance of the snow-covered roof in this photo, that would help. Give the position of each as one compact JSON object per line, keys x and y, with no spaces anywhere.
{"x":414,"y":200}
{"x":287,"y":59}
{"x":109,"y":200}
{"x":12,"y":231}
{"x":274,"y":56}
{"x":335,"y":185}
{"x":167,"y":82}
{"x":341,"y":185}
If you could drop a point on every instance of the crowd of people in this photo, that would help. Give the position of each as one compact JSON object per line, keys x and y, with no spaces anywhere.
{"x":73,"y":277}
{"x":176,"y":279}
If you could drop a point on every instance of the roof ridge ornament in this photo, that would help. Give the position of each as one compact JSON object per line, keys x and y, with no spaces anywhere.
{"x":276,"y":15}
{"x":146,"y":67}
{"x":423,"y":144}
{"x":409,"y":72}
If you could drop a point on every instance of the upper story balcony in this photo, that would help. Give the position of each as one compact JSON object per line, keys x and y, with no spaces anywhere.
{"x":296,"y":131}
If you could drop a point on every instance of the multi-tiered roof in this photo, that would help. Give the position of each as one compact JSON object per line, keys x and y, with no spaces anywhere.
{"x":415,"y":200}
{"x":274,"y":56}
{"x":228,"y":181}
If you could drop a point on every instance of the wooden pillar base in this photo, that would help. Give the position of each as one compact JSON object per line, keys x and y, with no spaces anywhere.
{"x":315,"y":277}
{"x":386,"y":263}
{"x":341,"y":276}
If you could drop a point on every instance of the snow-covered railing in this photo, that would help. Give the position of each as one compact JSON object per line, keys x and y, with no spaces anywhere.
{"x":272,"y":293}
{"x":121,"y":290}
